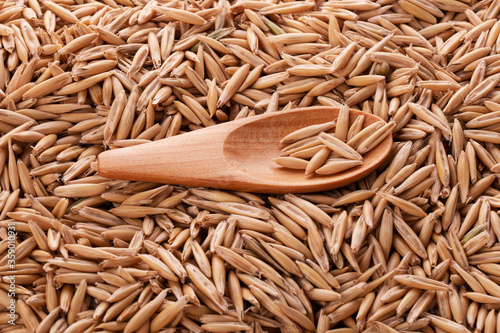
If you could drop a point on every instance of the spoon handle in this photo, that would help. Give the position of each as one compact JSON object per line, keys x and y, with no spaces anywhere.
{"x":193,"y":159}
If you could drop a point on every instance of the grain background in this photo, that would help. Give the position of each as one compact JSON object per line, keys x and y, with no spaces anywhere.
{"x":413,"y":247}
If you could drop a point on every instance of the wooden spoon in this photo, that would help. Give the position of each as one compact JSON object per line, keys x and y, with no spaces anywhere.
{"x":237,"y":155}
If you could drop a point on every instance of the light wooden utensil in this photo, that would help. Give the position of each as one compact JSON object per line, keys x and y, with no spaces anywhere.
{"x":237,"y":155}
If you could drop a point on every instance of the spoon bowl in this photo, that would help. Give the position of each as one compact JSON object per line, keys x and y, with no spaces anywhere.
{"x":237,"y":155}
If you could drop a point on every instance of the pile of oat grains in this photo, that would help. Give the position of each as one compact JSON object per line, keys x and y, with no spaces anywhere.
{"x":332,"y":147}
{"x":413,"y":247}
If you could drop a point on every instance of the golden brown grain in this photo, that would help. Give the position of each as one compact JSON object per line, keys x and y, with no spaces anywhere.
{"x":95,"y":254}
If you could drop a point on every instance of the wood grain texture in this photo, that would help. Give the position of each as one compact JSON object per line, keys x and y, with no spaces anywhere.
{"x":237,"y":156}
